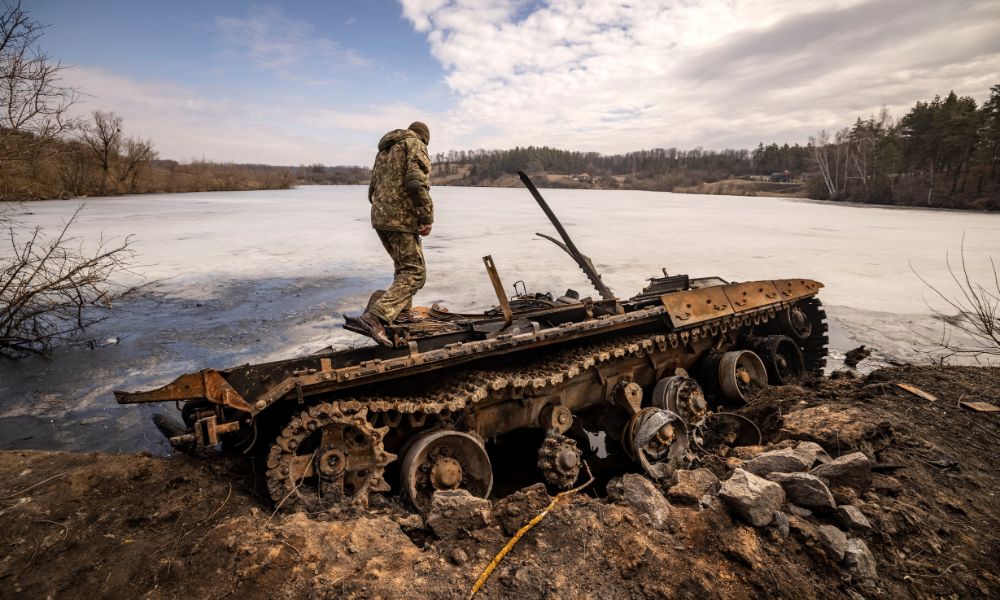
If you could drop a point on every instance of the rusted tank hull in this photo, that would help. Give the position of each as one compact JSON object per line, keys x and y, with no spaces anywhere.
{"x":687,"y":314}
{"x":331,"y":424}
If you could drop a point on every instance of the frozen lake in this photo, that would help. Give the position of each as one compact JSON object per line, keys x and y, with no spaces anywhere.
{"x":249,"y":276}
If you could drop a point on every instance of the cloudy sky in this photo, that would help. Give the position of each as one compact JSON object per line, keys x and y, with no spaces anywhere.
{"x":320,"y":81}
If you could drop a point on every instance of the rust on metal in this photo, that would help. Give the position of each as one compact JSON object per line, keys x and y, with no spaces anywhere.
{"x":508,"y":314}
{"x":791,"y":289}
{"x":752,"y":294}
{"x":207,"y":384}
{"x":696,"y":306}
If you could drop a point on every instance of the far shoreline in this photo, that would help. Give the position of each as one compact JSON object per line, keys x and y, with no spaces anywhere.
{"x":789,"y":198}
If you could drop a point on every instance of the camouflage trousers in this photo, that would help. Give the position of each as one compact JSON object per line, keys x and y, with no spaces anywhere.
{"x":409,"y":276}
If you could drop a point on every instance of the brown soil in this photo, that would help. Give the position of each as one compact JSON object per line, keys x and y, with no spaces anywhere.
{"x":102,"y":526}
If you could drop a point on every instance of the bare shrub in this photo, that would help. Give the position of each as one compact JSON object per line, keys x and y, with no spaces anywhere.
{"x":53,"y":288}
{"x":34,"y":108}
{"x":976,"y":313}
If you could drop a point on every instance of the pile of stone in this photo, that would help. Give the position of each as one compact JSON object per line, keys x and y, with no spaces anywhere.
{"x":796,"y":489}
{"x":801,"y":489}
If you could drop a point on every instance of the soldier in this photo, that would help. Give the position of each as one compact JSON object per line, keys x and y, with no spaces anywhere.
{"x":402,"y":211}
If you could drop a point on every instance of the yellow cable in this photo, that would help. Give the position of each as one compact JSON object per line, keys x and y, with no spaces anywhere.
{"x":520,"y":533}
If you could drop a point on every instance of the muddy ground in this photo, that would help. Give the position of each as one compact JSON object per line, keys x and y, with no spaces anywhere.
{"x":108,"y":525}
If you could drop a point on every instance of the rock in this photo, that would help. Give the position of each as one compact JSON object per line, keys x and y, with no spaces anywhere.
{"x":746,"y":452}
{"x":788,"y":460}
{"x":642,"y":495}
{"x":459,"y":556}
{"x":886,"y":485}
{"x":860,"y":562}
{"x":837,"y":429}
{"x":692,"y":486}
{"x":851,"y":470}
{"x":615,"y":489}
{"x":805,"y":490}
{"x":844,"y":495}
{"x":799,"y":511}
{"x":818,"y":453}
{"x":454,"y":512}
{"x":804,"y":529}
{"x":781,"y":524}
{"x":852,"y":518}
{"x":853,"y":357}
{"x":754,"y":498}
{"x":833,"y":541}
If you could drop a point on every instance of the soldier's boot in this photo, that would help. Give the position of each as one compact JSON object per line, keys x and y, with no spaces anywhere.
{"x":376,"y":330}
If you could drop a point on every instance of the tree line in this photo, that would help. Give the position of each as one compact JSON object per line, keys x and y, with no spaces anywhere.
{"x":943,"y":153}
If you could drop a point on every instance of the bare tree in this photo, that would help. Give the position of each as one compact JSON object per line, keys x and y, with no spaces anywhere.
{"x":137,"y":153}
{"x":54,"y":288}
{"x":819,"y":148}
{"x":976,"y":312}
{"x":832,"y":159}
{"x":104,"y":138}
{"x":33,"y":106}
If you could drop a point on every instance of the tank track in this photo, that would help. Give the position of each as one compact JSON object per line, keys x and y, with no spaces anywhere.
{"x":452,"y":396}
{"x":478,"y":385}
{"x":814,"y":349}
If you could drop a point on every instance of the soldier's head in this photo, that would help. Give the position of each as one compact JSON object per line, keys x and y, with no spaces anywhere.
{"x":421,"y":130}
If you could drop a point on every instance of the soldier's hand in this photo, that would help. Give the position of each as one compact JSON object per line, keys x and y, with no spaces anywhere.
{"x":425,"y":230}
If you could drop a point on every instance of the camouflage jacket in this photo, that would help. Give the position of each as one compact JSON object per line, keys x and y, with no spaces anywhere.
{"x":400,"y":188}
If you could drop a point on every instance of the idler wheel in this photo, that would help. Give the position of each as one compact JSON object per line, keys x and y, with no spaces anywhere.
{"x":782,"y":358}
{"x":683,"y":396}
{"x":657,"y":439}
{"x":740,"y":373}
{"x":445,"y":460}
{"x":560,"y":460}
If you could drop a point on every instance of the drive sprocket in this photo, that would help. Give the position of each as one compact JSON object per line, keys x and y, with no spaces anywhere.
{"x":325,"y":458}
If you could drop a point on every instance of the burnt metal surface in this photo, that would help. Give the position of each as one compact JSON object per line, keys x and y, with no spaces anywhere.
{"x":560,"y":460}
{"x":445,"y":460}
{"x":491,"y":270}
{"x":262,"y":385}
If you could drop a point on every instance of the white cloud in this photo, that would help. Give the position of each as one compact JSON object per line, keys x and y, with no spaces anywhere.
{"x":184,"y":123}
{"x":613,"y":76}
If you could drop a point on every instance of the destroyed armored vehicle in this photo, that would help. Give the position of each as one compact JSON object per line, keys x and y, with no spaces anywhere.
{"x":427,"y":414}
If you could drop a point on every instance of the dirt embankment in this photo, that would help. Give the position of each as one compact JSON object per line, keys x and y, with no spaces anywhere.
{"x":103,"y":526}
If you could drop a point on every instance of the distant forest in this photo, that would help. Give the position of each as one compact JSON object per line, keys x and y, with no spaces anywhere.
{"x":942,"y":153}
